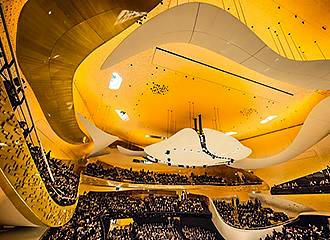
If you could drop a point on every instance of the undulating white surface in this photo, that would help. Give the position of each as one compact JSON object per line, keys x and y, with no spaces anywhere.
{"x":23,"y":233}
{"x":184,"y":148}
{"x":215,"y":29}
{"x":222,"y":144}
{"x":100,"y":138}
{"x":129,"y":152}
{"x":206,"y":26}
{"x":9,"y":215}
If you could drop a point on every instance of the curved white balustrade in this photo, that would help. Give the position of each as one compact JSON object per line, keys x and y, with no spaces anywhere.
{"x":215,"y":29}
{"x":231,"y":233}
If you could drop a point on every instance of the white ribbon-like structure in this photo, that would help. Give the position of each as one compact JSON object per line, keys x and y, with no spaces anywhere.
{"x":184,"y":148}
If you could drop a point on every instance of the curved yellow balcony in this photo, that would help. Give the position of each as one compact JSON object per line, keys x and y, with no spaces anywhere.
{"x":19,"y":177}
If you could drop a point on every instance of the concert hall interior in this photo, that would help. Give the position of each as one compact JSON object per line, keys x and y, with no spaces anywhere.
{"x":164,"y":120}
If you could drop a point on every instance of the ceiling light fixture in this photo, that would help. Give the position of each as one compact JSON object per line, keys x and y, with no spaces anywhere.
{"x":230,"y":133}
{"x":123,"y":115}
{"x":115,"y":81}
{"x":267,"y":119}
{"x":3,"y":144}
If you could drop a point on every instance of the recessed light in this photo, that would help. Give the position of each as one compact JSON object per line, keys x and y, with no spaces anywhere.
{"x":122,"y":114}
{"x":115,"y":81}
{"x":50,"y":12}
{"x":230,"y":133}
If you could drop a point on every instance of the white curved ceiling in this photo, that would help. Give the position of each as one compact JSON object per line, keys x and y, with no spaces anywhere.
{"x":215,"y":29}
{"x":184,"y":148}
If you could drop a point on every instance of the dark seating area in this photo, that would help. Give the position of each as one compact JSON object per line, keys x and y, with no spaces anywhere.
{"x":316,"y":183}
{"x":193,"y":233}
{"x":64,"y":188}
{"x":248,"y":215}
{"x":144,"y":208}
{"x":150,"y":177}
{"x":306,"y":227}
{"x":155,"y":231}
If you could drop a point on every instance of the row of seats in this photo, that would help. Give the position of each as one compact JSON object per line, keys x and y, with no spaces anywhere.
{"x":156,"y":231}
{"x":150,"y":177}
{"x":318,"y":182}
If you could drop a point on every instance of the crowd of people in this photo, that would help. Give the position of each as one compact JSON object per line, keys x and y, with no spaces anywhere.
{"x":248,"y":215}
{"x":156,"y":231}
{"x":207,"y":179}
{"x":86,"y":221}
{"x":161,"y":231}
{"x":194,"y":233}
{"x":309,"y":232}
{"x":150,"y":177}
{"x":142,"y":176}
{"x":63,"y":184}
{"x":318,"y":182}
